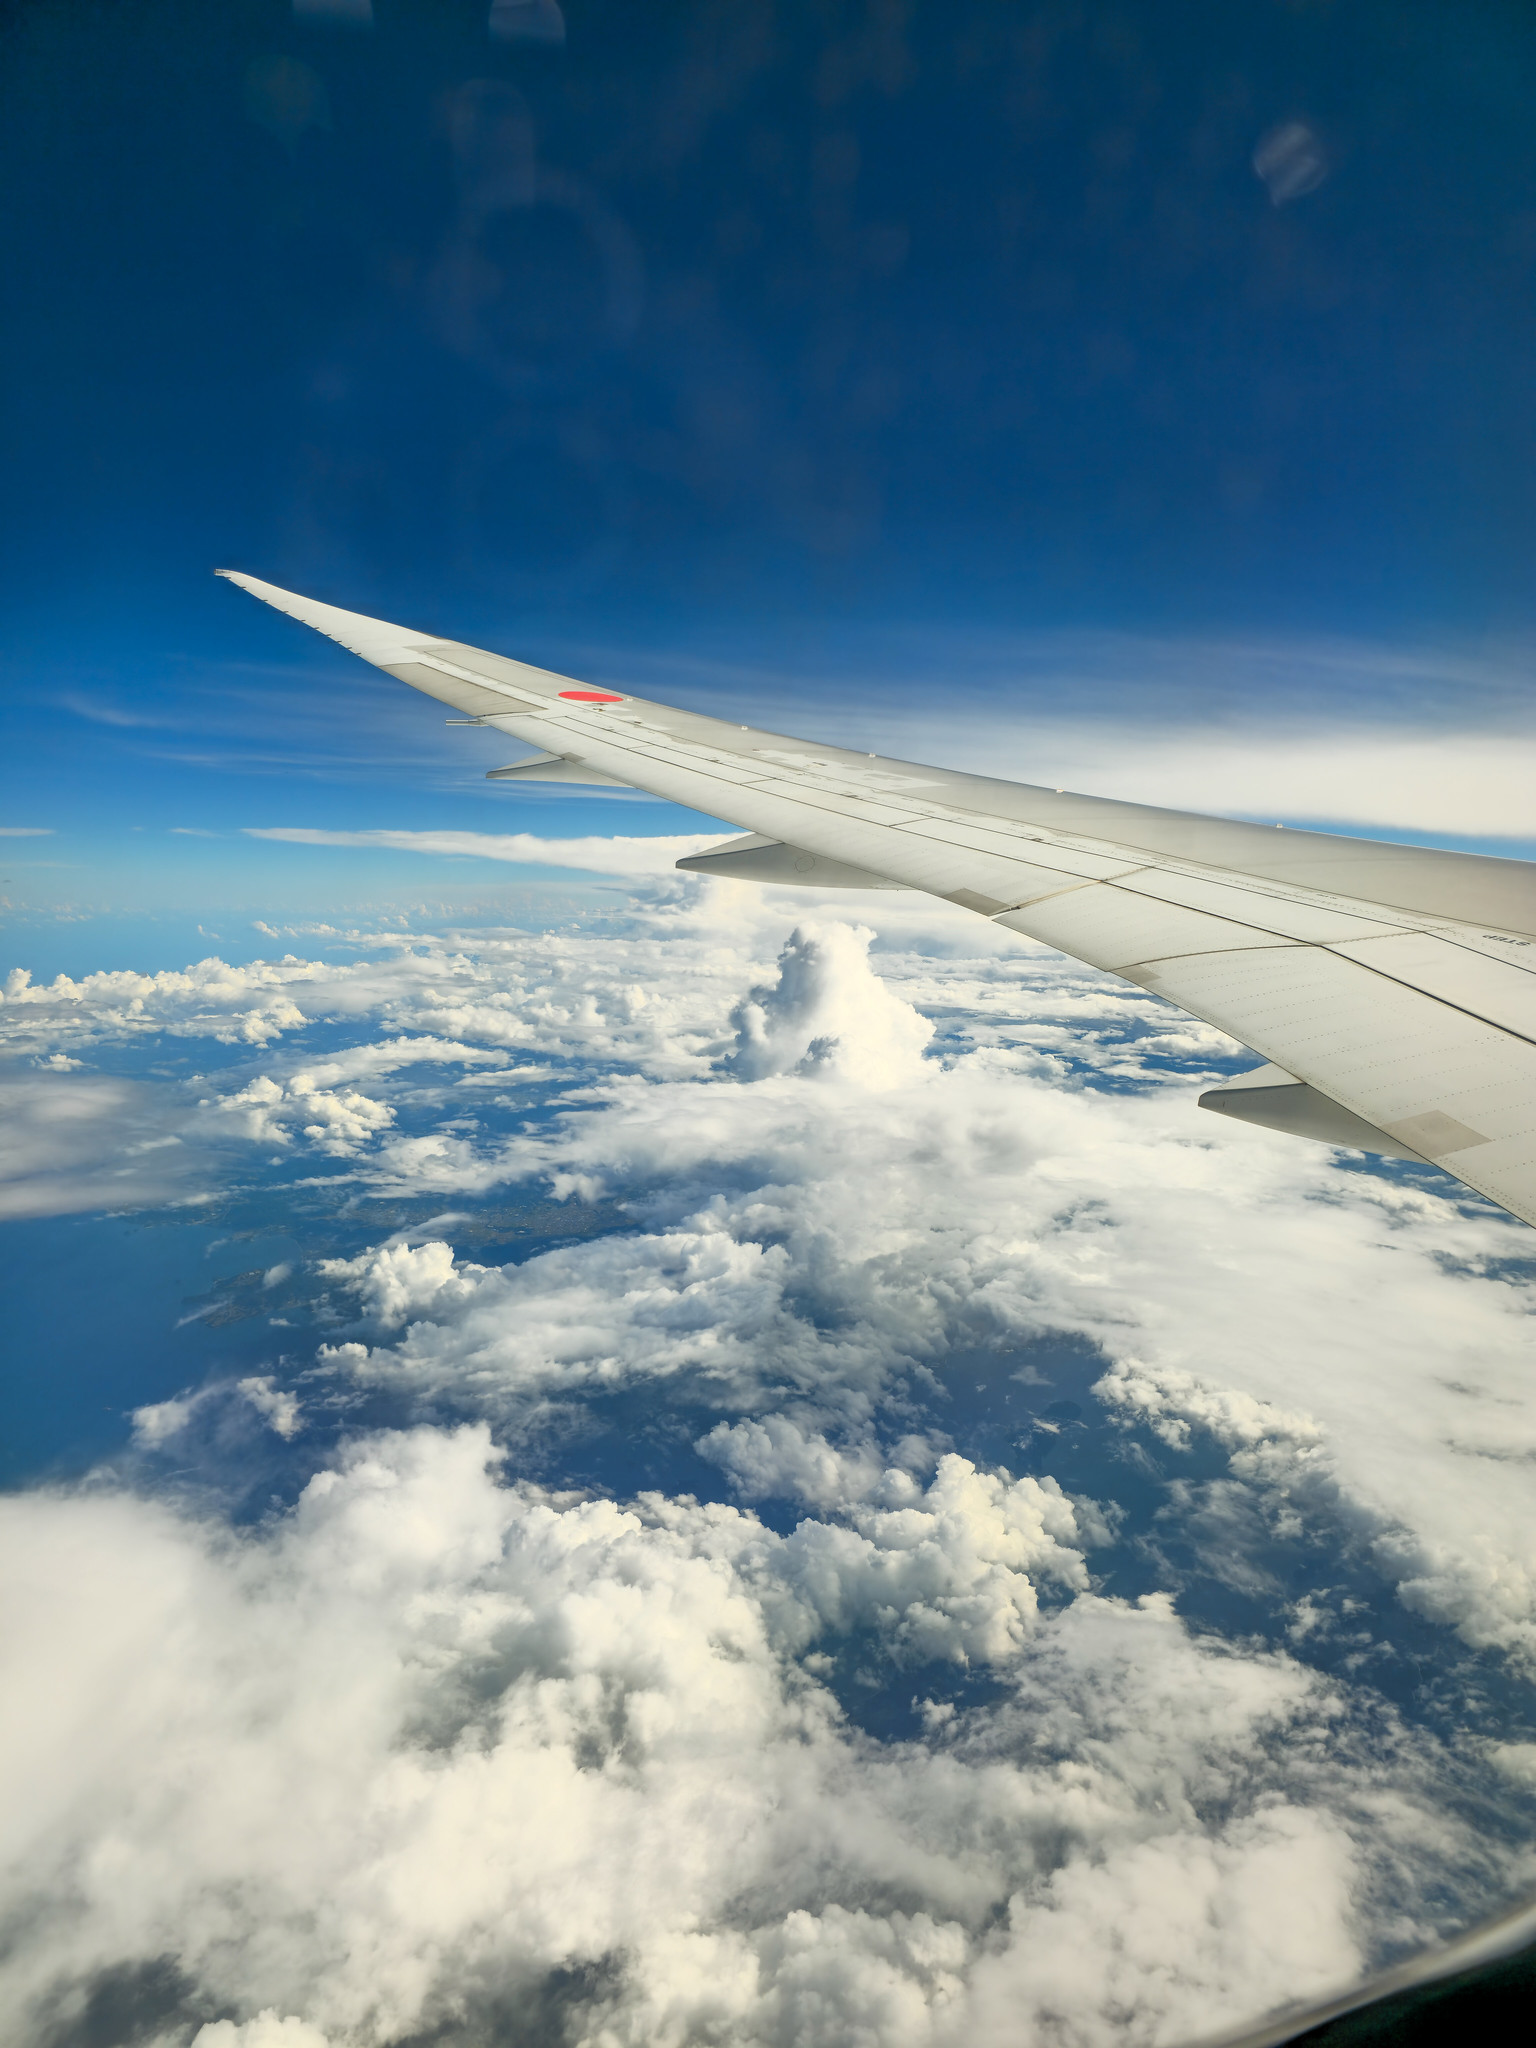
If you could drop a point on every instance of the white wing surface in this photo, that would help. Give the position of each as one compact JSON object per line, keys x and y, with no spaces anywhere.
{"x":1391,"y":990}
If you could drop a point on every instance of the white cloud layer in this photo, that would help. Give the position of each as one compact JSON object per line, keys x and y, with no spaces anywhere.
{"x":1467,"y":784}
{"x":438,"y":1750}
{"x":603,"y":856}
{"x":432,"y":1747}
{"x":858,"y":1209}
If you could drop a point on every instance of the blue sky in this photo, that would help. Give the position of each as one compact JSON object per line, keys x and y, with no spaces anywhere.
{"x":881,"y":363}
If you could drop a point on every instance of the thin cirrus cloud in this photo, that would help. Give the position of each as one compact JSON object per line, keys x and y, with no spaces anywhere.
{"x":98,"y":711}
{"x":1291,"y":161}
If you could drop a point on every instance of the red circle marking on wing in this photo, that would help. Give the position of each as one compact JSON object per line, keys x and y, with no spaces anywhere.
{"x":591,"y":697}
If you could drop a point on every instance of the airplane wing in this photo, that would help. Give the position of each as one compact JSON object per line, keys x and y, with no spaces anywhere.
{"x":1390,"y":990}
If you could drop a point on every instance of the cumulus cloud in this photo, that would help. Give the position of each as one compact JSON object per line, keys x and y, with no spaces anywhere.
{"x":564,"y":993}
{"x":269,"y":2029}
{"x":432,"y":1748}
{"x":811,"y":1232}
{"x":158,"y":1421}
{"x":403,"y":1279}
{"x":235,"y":1005}
{"x":278,"y":1408}
{"x":776,"y":1455}
{"x":336,"y":1121}
{"x":102,"y":1141}
{"x":826,"y":1012}
{"x":435,"y":1746}
{"x":161,"y":1423}
{"x":978,"y":1200}
{"x":950,"y":1571}
{"x":824,"y":1313}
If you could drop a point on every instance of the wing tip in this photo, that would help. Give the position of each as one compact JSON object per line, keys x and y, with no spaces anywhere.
{"x":377,"y":640}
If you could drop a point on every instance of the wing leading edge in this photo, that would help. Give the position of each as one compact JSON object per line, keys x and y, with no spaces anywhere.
{"x":1390,"y":989}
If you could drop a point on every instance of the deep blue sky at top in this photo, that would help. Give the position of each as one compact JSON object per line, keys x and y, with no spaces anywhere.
{"x":733,"y":324}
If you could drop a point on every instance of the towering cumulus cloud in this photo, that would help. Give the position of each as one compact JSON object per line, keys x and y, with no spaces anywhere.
{"x":826,"y":1011}
{"x":786,"y":1488}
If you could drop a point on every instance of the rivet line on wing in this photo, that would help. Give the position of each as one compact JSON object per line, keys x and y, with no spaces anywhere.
{"x":1429,"y":995}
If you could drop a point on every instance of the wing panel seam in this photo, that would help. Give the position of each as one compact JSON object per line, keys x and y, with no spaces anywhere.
{"x":1310,"y":946}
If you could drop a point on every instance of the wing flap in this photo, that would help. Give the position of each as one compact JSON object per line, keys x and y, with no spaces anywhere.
{"x":554,"y":768}
{"x":755,"y":859}
{"x":1276,"y":1101}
